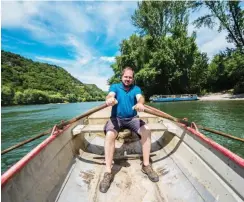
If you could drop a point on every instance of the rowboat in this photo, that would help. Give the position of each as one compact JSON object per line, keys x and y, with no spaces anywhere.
{"x":69,"y":164}
{"x":173,"y":98}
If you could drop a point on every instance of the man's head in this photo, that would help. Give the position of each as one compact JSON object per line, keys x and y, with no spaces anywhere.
{"x":127,"y":76}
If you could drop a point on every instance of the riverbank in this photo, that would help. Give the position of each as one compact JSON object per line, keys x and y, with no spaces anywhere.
{"x":221,"y":96}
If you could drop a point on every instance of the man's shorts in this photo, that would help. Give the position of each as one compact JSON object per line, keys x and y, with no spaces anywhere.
{"x":117,"y":124}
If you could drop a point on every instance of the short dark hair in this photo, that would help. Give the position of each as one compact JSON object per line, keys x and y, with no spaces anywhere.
{"x":127,"y":68}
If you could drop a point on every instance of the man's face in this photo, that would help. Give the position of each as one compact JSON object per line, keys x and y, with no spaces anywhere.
{"x":127,"y":78}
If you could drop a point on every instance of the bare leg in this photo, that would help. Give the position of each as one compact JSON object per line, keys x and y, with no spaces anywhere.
{"x":145,"y":133}
{"x":109,"y":147}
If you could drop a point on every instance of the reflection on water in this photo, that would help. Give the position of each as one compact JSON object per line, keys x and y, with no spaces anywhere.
{"x":22,"y":122}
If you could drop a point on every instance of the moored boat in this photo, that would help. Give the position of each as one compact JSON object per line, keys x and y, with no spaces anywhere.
{"x":173,"y":98}
{"x":68,"y":166}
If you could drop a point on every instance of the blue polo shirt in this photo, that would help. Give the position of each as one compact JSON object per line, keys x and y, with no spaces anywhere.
{"x":126,"y":100}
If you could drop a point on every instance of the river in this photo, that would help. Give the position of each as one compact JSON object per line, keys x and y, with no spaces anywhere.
{"x":19,"y":123}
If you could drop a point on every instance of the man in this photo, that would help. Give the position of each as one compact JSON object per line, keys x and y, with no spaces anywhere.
{"x":123,"y":115}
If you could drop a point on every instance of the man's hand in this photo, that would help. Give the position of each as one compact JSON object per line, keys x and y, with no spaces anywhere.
{"x":111,"y":101}
{"x":139,"y":107}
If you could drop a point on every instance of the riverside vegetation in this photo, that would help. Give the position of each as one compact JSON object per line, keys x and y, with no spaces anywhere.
{"x":165,"y":58}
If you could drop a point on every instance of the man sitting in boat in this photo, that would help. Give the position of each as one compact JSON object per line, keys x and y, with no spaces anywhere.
{"x":123,"y":116}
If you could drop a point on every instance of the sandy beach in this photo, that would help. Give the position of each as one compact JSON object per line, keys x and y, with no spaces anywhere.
{"x":221,"y":96}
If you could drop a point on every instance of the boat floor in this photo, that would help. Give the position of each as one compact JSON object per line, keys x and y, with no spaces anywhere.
{"x":130,"y":184}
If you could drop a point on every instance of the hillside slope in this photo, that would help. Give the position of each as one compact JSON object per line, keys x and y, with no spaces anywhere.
{"x":27,"y":82}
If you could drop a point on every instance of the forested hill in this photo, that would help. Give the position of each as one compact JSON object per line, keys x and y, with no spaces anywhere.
{"x":27,"y":82}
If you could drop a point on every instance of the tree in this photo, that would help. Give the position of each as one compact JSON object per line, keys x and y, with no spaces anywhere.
{"x":165,"y":59}
{"x":230,"y":17}
{"x":171,"y":64}
{"x":18,"y":98}
{"x":159,"y":18}
{"x":226,"y":71}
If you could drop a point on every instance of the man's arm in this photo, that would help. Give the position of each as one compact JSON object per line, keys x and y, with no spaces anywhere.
{"x":140,"y":99}
{"x":110,"y":99}
{"x":140,"y":103}
{"x":110,"y":95}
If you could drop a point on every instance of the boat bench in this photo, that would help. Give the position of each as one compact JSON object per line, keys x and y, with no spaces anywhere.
{"x":79,"y":129}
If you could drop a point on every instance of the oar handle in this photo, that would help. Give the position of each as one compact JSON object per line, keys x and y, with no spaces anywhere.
{"x":89,"y":112}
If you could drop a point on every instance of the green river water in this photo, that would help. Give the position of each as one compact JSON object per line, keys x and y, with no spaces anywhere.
{"x":22,"y":122}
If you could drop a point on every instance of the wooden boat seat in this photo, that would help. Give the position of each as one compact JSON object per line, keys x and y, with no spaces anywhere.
{"x":92,"y":138}
{"x":100,"y":128}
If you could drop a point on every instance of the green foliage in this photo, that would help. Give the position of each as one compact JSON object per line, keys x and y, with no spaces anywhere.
{"x":158,"y":18}
{"x":203,"y":92}
{"x":7,"y":95}
{"x":166,"y":60}
{"x":28,"y":82}
{"x":167,"y":65}
{"x":33,"y":96}
{"x":227,"y":71}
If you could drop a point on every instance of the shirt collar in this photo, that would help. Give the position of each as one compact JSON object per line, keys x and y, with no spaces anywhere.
{"x":121,"y":85}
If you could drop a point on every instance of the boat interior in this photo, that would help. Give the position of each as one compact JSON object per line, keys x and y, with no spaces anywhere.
{"x":70,"y":168}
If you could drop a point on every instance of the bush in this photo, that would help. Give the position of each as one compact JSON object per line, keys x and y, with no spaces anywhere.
{"x":33,"y":96}
{"x":239,"y":88}
{"x":18,"y":98}
{"x":56,"y":98}
{"x":7,"y":95}
{"x":203,"y":92}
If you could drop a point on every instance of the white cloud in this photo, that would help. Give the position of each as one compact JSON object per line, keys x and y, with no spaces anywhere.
{"x":51,"y":20}
{"x":71,"y":16}
{"x":108,"y":59}
{"x":59,"y":62}
{"x":101,"y":82}
{"x":92,"y":72}
{"x":95,"y":72}
{"x":208,"y":40}
{"x":211,"y":41}
{"x":214,"y":45}
{"x":17,"y":14}
{"x":115,"y":18}
{"x":48,"y":22}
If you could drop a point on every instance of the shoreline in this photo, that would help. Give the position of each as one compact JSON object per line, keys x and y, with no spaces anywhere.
{"x":221,"y":96}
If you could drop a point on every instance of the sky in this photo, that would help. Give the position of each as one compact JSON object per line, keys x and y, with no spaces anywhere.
{"x":83,"y":37}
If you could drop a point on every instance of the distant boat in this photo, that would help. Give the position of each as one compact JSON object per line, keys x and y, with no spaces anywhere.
{"x":173,"y":98}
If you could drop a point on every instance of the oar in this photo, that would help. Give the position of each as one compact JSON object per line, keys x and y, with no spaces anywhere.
{"x":60,"y":126}
{"x":156,"y":112}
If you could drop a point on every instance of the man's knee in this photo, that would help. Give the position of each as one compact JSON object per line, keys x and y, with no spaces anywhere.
{"x":144,"y":130}
{"x":111,"y":135}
